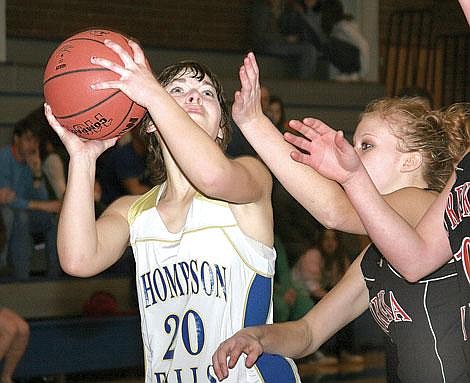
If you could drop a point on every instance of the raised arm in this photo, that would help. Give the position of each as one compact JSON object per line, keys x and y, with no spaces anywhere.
{"x":242,"y":180}
{"x":415,"y":253}
{"x":314,"y":192}
{"x":345,"y":302}
{"x":322,"y":197}
{"x":86,"y":247}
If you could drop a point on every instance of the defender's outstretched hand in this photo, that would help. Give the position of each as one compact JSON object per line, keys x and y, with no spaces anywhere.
{"x":324,"y":149}
{"x":136,"y":79}
{"x":227,"y":354}
{"x":247,"y":101}
{"x":74,"y":144}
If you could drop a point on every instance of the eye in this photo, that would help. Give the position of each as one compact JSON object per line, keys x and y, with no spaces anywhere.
{"x":366,"y":146}
{"x":176,"y":90}
{"x":208,"y":93}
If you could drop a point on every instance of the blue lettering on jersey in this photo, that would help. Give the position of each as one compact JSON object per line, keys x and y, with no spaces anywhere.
{"x":181,"y":279}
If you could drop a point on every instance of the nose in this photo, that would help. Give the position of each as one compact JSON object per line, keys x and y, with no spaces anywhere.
{"x":194,"y":97}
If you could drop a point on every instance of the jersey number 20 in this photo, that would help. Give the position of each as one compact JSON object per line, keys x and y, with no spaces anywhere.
{"x":172,"y":324}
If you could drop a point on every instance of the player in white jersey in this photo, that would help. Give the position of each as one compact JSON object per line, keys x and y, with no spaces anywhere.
{"x":202,"y":239}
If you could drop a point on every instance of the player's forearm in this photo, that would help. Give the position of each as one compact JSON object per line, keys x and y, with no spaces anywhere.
{"x":392,"y":234}
{"x":198,"y":155}
{"x":77,"y":238}
{"x":324,"y":199}
{"x":291,"y":339}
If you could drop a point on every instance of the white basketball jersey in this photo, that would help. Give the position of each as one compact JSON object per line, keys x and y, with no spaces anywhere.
{"x":198,"y":287}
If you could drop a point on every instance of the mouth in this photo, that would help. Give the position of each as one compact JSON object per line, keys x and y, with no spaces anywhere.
{"x":194,"y":110}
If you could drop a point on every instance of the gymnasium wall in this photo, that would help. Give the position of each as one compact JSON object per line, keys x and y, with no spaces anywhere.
{"x":198,"y":24}
{"x":188,"y":24}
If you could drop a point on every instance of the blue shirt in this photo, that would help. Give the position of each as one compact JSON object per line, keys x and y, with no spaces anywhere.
{"x":19,"y":177}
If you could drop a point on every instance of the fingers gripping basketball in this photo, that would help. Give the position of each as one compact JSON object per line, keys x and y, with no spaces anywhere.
{"x":92,"y":114}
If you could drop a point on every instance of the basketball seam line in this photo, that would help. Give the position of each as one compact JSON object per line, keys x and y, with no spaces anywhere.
{"x":76,"y":71}
{"x":119,"y":125}
{"x":90,"y":108}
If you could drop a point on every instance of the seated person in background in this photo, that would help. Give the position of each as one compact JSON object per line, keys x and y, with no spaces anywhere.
{"x":335,"y":35}
{"x":123,"y":170}
{"x":27,"y":210}
{"x":291,"y":299}
{"x":53,"y":155}
{"x":266,"y":30}
{"x":6,"y":196}
{"x":308,"y":271}
{"x":14,"y":336}
{"x":337,"y":25}
{"x":334,"y":264}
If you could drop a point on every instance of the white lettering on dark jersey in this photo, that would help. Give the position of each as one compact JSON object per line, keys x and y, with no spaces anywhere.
{"x":455,"y":214}
{"x":383,"y":314}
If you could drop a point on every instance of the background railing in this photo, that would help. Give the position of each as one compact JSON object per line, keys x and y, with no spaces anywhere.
{"x":418,"y":56}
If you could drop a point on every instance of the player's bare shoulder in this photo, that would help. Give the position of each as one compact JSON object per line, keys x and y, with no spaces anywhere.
{"x":411,"y":202}
{"x":121,"y":206}
{"x":260,"y":173}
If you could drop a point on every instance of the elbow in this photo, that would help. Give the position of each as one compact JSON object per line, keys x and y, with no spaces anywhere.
{"x":70,"y":268}
{"x":73,"y":265}
{"x":330,"y":219}
{"x":210,"y":182}
{"x":411,"y":276}
{"x":410,"y":272}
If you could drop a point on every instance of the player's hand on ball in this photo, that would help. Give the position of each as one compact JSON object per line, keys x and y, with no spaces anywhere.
{"x":135,"y":78}
{"x":74,"y":144}
{"x":227,"y":354}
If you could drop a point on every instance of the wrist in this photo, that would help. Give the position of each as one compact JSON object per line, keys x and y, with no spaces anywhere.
{"x":356,"y":180}
{"x":254,"y":122}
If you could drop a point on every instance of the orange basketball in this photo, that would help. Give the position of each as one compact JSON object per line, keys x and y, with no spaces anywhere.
{"x":92,"y":114}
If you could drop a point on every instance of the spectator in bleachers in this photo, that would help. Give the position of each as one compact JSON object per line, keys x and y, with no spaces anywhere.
{"x":14,"y":337}
{"x":269,"y":37}
{"x":334,"y":34}
{"x":53,"y":157}
{"x":123,"y":170}
{"x":26,"y":210}
{"x":341,"y":29}
{"x":334,"y":263}
{"x":291,"y":299}
{"x":6,"y":196}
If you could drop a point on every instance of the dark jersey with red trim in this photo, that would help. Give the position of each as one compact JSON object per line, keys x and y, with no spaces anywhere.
{"x":421,"y":319}
{"x":457,"y":222}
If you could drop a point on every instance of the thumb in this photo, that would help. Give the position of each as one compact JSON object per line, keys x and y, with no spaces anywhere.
{"x":341,"y":143}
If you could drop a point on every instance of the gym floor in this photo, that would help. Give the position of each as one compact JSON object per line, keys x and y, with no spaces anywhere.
{"x":371,"y":371}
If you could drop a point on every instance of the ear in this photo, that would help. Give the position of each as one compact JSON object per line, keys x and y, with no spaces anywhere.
{"x":411,"y":162}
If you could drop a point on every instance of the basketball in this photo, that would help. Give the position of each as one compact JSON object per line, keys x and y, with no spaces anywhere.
{"x":91,"y":114}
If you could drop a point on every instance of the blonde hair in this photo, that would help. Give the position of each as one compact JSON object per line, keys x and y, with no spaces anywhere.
{"x":441,"y":137}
